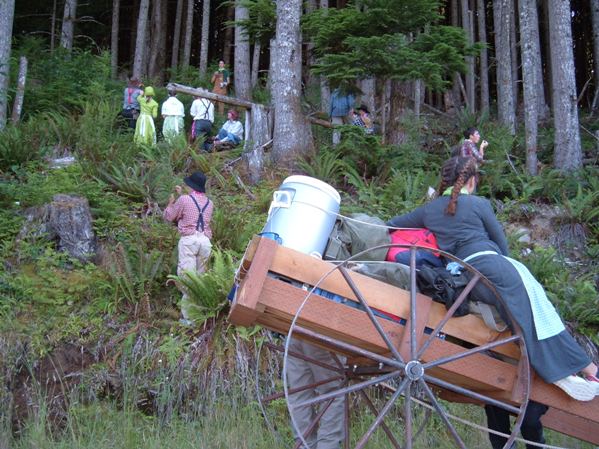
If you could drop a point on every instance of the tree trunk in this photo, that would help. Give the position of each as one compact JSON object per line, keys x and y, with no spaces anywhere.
{"x":368,"y":87}
{"x":114,"y":39}
{"x":567,"y":153}
{"x":259,"y":137}
{"x":188,"y":33}
{"x":542,"y":107}
{"x":68,"y":24}
{"x":417,"y":97}
{"x":530,"y":59}
{"x":505,"y":92}
{"x":595,"y":17}
{"x":177,"y":35}
{"x":325,"y":90}
{"x":399,"y":94}
{"x":205,"y":39}
{"x":7,"y":12}
{"x":53,"y":27}
{"x":256,"y":63}
{"x":228,"y":37}
{"x":140,"y":41}
{"x":292,"y":134}
{"x":468,"y":28}
{"x":484,"y":58}
{"x":514,"y":53}
{"x":158,"y":41}
{"x":241,"y":74}
{"x":455,"y":90}
{"x":17,"y":106}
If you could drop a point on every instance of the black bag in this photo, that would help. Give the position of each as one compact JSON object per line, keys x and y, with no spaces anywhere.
{"x":443,"y":287}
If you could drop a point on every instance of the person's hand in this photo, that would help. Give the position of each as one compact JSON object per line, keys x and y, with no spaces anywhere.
{"x":483,"y":145}
{"x":171,"y":199}
{"x":178,"y":189}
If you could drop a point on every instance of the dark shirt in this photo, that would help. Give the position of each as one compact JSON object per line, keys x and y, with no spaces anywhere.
{"x":473,"y":228}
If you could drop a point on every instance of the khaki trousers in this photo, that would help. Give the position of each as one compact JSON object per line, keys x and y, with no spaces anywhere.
{"x":194,"y":251}
{"x":330,"y":431}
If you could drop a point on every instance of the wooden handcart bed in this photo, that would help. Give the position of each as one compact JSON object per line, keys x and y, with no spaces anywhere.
{"x":272,"y":286}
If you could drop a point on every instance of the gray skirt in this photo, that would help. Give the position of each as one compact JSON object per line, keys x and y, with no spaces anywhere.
{"x":552,"y":358}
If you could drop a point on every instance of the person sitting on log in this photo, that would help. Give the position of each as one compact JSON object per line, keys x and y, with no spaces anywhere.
{"x":466,"y":226}
{"x":231,"y":132}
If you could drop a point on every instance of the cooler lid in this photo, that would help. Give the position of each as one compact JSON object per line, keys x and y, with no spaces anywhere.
{"x":313,"y":182}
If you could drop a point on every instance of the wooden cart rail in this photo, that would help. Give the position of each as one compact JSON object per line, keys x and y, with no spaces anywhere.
{"x":266,"y":297}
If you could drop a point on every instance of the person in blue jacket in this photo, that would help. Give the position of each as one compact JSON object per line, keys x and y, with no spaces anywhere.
{"x":342,"y":107}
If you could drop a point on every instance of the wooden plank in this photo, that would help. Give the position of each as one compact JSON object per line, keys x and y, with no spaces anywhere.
{"x":245,"y":308}
{"x":574,"y":425}
{"x":386,"y":297}
{"x":423,"y":308}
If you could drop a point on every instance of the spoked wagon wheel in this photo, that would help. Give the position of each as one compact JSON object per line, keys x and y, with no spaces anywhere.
{"x":384,"y":395}
{"x":270,"y":392}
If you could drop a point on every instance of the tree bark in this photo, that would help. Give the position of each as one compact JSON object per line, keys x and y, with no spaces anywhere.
{"x":514,"y":53}
{"x":530,"y":59}
{"x":292,"y":135}
{"x":567,"y":153}
{"x":595,"y":17}
{"x":68,"y":25}
{"x":256,"y":63}
{"x":227,"y":49}
{"x":259,"y":138}
{"x":455,"y":90}
{"x":188,"y":34}
{"x":158,"y":41}
{"x":205,"y":39}
{"x":325,"y":90}
{"x":399,"y":94}
{"x":241,"y":75}
{"x":484,"y":57}
{"x":505,"y":92}
{"x":468,"y":28}
{"x":7,"y":12}
{"x":368,"y":87}
{"x":53,"y":27}
{"x":140,"y":41}
{"x":17,"y":106}
{"x":114,"y":39}
{"x":177,"y":35}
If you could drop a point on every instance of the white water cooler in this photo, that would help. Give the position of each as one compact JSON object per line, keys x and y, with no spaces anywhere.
{"x":302,"y":214}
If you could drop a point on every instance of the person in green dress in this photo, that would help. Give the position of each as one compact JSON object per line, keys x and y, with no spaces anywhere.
{"x":145,"y":131}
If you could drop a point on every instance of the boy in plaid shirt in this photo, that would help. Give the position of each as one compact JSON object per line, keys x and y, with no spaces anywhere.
{"x":192,"y":212}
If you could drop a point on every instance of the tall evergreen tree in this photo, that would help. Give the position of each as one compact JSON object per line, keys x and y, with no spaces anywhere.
{"x":241,"y":75}
{"x":292,"y":135}
{"x":567,"y":153}
{"x":506,"y":110}
{"x":114,"y":38}
{"x":205,"y":39}
{"x":140,"y":40}
{"x":372,"y":39}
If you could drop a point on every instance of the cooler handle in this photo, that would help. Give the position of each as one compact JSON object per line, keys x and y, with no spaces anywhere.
{"x":280,"y":198}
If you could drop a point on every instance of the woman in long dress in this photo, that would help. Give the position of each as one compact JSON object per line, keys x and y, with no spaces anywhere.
{"x":466,"y":226}
{"x":145,"y":130}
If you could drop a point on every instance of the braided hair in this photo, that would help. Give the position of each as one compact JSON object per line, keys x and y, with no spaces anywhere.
{"x":455,"y":173}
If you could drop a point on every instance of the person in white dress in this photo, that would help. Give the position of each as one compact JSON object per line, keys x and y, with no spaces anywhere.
{"x":172,"y":113}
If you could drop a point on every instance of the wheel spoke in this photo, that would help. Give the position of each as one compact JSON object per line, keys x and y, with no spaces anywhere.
{"x":379,"y":419}
{"x":442,"y":414}
{"x":375,"y":412}
{"x":348,"y":347}
{"x":476,"y":350}
{"x":297,"y":355}
{"x":449,"y":314}
{"x":413,"y":291}
{"x":370,"y":314}
{"x":408,"y":416}
{"x":471,"y":394}
{"x":350,"y":389}
{"x":312,"y":425}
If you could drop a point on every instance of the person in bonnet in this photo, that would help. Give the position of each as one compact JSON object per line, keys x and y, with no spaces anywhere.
{"x":192,"y":212}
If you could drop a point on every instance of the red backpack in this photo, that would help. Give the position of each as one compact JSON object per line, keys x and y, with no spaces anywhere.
{"x":420,"y":237}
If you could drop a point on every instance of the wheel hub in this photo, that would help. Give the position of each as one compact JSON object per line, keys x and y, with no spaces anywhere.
{"x":414,"y":370}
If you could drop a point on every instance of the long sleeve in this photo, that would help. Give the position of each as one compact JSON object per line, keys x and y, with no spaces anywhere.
{"x":414,"y":219}
{"x":494,"y":228}
{"x":154,"y":109}
{"x":173,"y":212}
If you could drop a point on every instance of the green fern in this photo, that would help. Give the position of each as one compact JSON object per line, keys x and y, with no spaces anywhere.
{"x":326,"y":165}
{"x":207,"y":292}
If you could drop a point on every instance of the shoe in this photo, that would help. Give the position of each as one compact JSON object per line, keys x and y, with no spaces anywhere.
{"x":578,"y":388}
{"x":594,"y":380}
